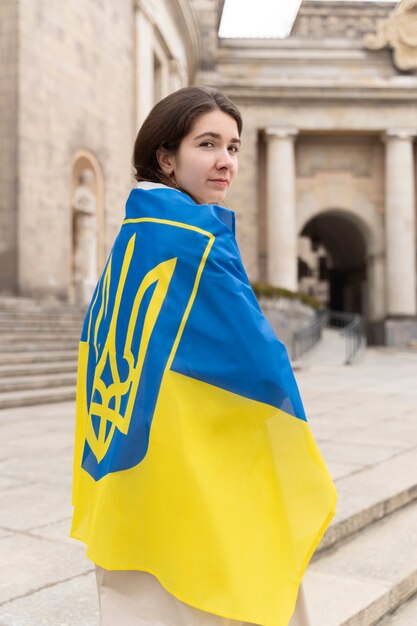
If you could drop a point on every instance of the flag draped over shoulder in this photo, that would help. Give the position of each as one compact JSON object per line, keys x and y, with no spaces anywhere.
{"x":193,"y":458}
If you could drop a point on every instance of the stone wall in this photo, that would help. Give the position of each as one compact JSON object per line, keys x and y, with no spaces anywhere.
{"x":76,"y":81}
{"x":166,"y":50}
{"x":75,"y":92}
{"x":286,"y":317}
{"x":8,"y":143}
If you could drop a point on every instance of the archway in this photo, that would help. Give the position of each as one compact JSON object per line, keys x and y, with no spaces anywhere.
{"x":337,"y":258}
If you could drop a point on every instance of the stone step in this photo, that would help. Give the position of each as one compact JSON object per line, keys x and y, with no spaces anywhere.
{"x":44,"y":381}
{"x":45,"y":318}
{"x":26,"y":347}
{"x":36,"y":337}
{"x":38,"y":356}
{"x":406,"y":615}
{"x":361,"y":579}
{"x":29,"y":325}
{"x":41,"y":317}
{"x":37,"y":308}
{"x":367,"y":496}
{"x":28,"y":305}
{"x":10,"y":370}
{"x":36,"y":396}
{"x":38,"y":334}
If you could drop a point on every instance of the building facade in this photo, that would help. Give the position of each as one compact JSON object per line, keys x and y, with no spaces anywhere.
{"x":329,"y":157}
{"x":326,"y":194}
{"x":76,"y":81}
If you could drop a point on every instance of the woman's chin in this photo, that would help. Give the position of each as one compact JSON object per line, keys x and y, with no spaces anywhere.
{"x":215,"y":198}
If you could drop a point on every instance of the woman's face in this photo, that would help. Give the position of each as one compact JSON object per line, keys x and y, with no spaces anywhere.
{"x":205,"y":163}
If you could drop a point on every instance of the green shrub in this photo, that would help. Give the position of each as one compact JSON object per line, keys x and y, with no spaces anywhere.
{"x":263,"y":290}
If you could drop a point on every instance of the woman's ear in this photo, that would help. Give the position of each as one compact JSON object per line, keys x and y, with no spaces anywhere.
{"x":166,"y":161}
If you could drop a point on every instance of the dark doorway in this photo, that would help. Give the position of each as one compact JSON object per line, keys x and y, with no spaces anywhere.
{"x":344,"y":266}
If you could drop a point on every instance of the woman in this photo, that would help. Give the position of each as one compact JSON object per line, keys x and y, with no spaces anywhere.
{"x":198,"y":488}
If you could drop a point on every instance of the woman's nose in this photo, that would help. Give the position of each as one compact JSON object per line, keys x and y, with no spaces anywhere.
{"x":225,"y":159}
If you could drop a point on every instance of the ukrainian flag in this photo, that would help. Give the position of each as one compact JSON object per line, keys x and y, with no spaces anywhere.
{"x":193,"y":458}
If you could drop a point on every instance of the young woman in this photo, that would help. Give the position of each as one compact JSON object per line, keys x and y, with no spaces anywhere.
{"x":198,"y":488}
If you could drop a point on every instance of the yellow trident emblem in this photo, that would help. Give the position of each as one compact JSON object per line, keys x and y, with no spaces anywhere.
{"x":114,"y":393}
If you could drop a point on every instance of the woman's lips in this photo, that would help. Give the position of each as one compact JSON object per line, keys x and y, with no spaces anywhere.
{"x":219,"y":182}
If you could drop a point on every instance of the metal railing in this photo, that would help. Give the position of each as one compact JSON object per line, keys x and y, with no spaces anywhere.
{"x":350,"y":324}
{"x":305,"y":339}
{"x":352,"y":327}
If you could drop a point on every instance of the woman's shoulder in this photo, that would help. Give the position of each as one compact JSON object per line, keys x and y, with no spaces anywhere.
{"x":158,"y":201}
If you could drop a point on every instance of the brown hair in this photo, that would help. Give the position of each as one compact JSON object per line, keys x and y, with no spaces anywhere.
{"x":169,"y":122}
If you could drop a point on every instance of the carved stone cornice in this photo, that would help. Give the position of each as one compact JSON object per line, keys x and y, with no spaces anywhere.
{"x":338,"y":20}
{"x":399,"y":32}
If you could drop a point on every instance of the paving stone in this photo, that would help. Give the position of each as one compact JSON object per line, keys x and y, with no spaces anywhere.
{"x":388,"y":432}
{"x":339,"y":470}
{"x":30,"y":563}
{"x":71,"y":603}
{"x":32,"y":505}
{"x":7,"y":482}
{"x":44,"y":410}
{"x":58,"y":531}
{"x":43,"y":441}
{"x":356,"y":453}
{"x":53,"y":468}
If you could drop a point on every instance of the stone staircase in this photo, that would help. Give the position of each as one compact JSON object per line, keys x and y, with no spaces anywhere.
{"x":365,"y":570}
{"x":38,"y":352}
{"x":365,"y":421}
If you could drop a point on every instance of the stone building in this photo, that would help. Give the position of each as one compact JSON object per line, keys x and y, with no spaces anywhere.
{"x":327,"y":179}
{"x":329,"y":153}
{"x":76,"y":81}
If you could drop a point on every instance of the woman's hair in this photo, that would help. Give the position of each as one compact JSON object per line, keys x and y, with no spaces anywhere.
{"x":169,"y":122}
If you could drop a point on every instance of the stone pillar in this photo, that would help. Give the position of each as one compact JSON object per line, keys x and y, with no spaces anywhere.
{"x":400,"y":223}
{"x":144,"y":79}
{"x":280,"y":208}
{"x":376,"y":300}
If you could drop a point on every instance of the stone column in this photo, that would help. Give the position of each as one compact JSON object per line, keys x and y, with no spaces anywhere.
{"x":376,"y":300}
{"x":280,"y":208}
{"x":144,"y":63}
{"x":400,"y":223}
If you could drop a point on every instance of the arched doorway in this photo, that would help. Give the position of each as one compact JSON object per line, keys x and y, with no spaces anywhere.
{"x":336,"y":258}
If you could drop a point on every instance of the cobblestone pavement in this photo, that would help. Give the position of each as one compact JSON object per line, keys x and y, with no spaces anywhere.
{"x":361,"y":416}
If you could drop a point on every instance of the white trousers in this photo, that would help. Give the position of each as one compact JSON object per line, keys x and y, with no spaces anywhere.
{"x":134,"y":598}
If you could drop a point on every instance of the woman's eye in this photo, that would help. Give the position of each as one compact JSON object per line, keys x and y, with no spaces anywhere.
{"x":234,"y":149}
{"x":207,"y":144}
